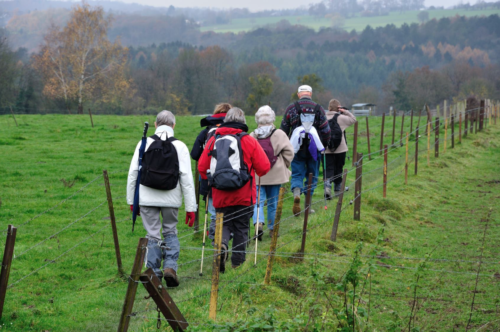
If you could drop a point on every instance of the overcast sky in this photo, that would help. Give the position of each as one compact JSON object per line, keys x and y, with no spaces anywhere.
{"x":255,"y":5}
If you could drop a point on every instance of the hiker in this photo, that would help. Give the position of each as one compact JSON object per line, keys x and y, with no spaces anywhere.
{"x":229,"y":161}
{"x":279,"y":151}
{"x":311,"y":116}
{"x":161,"y":194}
{"x":210,"y":123}
{"x":335,"y":157}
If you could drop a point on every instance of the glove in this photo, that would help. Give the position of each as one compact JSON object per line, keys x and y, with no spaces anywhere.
{"x":190,"y":219}
{"x":138,"y":210}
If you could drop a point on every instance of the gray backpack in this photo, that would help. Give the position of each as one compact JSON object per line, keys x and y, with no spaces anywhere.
{"x":228,"y":170}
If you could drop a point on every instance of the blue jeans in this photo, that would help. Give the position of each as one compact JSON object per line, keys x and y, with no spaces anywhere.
{"x":211,"y":210}
{"x":303,"y":164}
{"x":270,"y":193}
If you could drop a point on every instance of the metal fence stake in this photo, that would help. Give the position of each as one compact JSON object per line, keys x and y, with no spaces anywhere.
{"x":358,"y":188}
{"x":385,"y":172}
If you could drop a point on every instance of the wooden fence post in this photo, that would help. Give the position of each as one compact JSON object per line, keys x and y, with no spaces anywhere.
{"x":133,"y":280}
{"x":445,"y":134}
{"x":368,"y":138}
{"x":358,"y":188}
{"x":163,"y":301}
{"x":436,"y":138}
{"x":216,"y":266}
{"x":13,"y":116}
{"x":476,"y":121}
{"x":382,"y":133}
{"x":197,"y":193}
{"x":355,"y":143}
{"x":411,"y":121}
{"x":306,"y":216}
{"x":481,"y":115}
{"x":385,"y":172}
{"x":393,"y":126}
{"x":416,"y":151}
{"x":406,"y":163}
{"x":6,"y":263}
{"x":274,"y":239}
{"x":453,"y":131}
{"x":402,"y":127}
{"x":466,"y":127}
{"x":91,"y":121}
{"x":428,"y":143}
{"x":338,"y":209}
{"x":113,"y":222}
{"x":460,"y":128}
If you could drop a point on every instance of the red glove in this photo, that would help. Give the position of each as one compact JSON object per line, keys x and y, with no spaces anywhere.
{"x":138,"y":210}
{"x":190,"y":218}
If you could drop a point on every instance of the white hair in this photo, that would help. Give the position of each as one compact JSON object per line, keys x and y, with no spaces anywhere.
{"x":235,"y":114}
{"x":265,"y":116}
{"x":165,"y":118}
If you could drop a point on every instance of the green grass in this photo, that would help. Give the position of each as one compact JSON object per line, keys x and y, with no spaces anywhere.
{"x":357,"y":23}
{"x":441,"y":212}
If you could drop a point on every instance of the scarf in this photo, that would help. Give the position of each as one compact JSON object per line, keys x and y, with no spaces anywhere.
{"x":264,"y":131}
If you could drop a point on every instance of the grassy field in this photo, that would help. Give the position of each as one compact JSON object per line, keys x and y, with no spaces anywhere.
{"x":420,"y":258}
{"x":354,"y":23}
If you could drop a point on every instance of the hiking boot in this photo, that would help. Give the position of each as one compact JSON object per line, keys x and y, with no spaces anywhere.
{"x":223,"y":258}
{"x":296,"y":206}
{"x":337,"y":187}
{"x":260,"y":232}
{"x":170,"y":277}
{"x":328,"y":193}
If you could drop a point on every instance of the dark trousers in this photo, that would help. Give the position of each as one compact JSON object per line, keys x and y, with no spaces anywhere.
{"x":334,"y":166}
{"x":236,"y":221}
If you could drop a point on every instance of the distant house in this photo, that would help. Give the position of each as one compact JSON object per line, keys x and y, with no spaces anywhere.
{"x":364,"y":109}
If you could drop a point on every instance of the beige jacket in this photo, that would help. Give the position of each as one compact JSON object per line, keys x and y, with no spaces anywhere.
{"x":283,"y":149}
{"x":344,"y":120}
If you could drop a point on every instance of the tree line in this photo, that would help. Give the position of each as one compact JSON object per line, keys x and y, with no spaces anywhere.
{"x":403,"y":67}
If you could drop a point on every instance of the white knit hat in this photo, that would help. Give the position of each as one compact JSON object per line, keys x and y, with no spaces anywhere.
{"x":265,"y":116}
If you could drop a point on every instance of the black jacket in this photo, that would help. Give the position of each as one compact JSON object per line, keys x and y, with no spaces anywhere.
{"x":209,"y":122}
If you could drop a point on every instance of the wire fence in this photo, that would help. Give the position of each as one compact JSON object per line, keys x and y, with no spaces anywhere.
{"x":371,"y":177}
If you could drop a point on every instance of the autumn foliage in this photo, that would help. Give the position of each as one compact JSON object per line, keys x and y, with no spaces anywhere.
{"x":78,"y":62}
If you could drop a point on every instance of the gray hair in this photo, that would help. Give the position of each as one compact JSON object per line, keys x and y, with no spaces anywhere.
{"x":166,"y":118}
{"x":265,"y":116}
{"x":235,"y":114}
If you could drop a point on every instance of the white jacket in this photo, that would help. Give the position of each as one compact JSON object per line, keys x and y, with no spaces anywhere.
{"x":299,"y":134}
{"x":164,"y":198}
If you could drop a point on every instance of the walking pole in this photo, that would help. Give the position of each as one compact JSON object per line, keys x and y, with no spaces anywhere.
{"x":256,"y":225}
{"x":324,"y":176}
{"x":204,"y":233}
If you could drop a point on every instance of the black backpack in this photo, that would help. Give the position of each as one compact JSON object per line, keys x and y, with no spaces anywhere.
{"x":160,"y":165}
{"x":335,"y":133}
{"x":228,"y":170}
{"x":317,"y":108}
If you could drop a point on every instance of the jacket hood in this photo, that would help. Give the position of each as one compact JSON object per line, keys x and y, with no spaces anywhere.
{"x":231,"y":128}
{"x":212,"y":120}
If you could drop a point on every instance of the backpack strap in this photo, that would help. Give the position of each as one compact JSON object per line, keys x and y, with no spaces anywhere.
{"x":172,"y":139}
{"x":298,"y":108}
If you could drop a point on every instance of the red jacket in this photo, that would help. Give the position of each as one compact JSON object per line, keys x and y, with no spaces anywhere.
{"x":254,"y":157}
